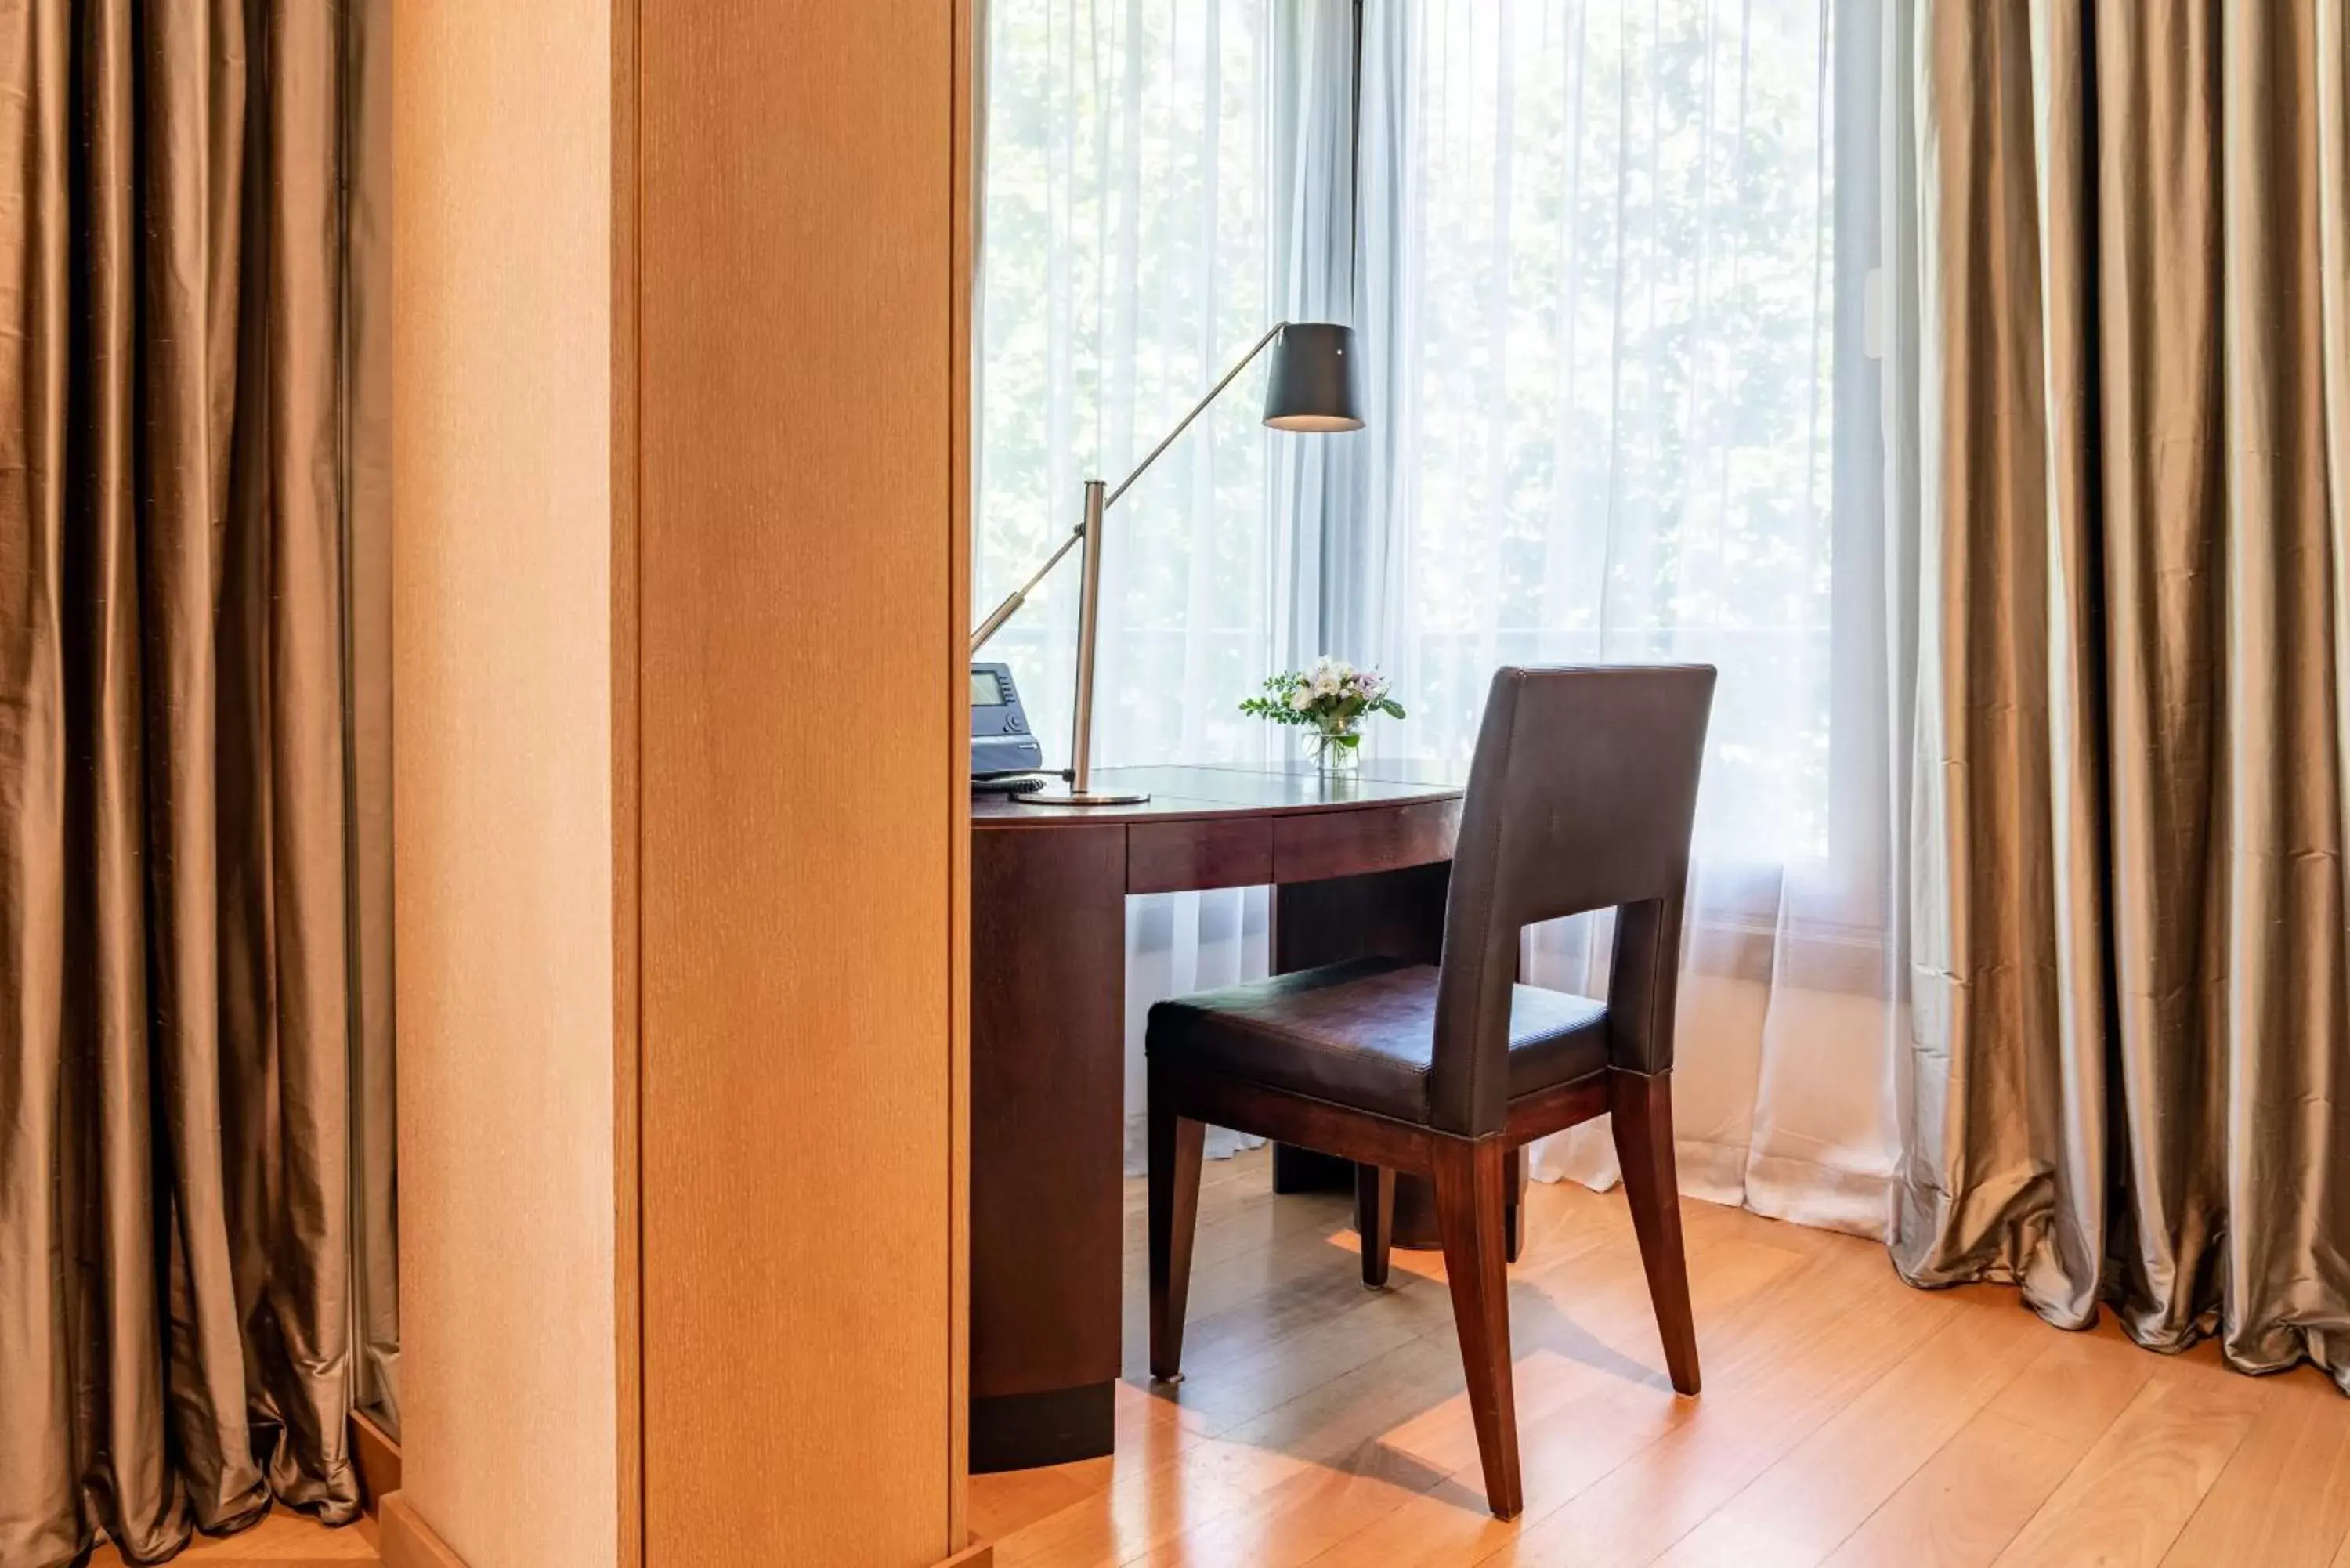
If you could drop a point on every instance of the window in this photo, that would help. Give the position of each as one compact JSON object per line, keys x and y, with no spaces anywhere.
{"x":1601,"y":252}
{"x":1128,"y":257}
{"x":1606,"y":259}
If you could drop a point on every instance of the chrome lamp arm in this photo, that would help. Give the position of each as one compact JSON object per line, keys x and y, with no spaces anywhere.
{"x":1019,"y":596}
{"x":1313,"y":388}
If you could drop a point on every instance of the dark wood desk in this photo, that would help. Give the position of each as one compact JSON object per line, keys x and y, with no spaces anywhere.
{"x":1357,"y":868}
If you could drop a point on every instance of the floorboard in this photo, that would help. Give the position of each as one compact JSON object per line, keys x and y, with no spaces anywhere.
{"x":1847,"y":1419}
{"x":283,"y":1539}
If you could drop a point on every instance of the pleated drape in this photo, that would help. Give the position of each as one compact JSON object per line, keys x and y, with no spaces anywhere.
{"x":176,"y":773}
{"x":2131,"y":1054}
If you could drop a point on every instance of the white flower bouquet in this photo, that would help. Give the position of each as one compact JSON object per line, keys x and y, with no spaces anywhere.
{"x":1332,"y":699}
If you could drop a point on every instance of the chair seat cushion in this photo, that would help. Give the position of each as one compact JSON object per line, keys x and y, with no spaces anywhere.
{"x":1362,"y":1034}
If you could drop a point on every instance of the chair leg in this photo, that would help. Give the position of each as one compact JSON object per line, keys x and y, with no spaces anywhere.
{"x":1469,"y":1193}
{"x":1375,"y":1190}
{"x":1640,"y":1106}
{"x":1514,"y":1181}
{"x":1175,"y":1145}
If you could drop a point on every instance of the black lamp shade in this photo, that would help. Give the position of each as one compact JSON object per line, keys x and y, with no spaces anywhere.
{"x":1315,"y":384}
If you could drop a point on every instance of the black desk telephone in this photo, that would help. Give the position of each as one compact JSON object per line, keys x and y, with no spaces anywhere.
{"x":1005,"y":755}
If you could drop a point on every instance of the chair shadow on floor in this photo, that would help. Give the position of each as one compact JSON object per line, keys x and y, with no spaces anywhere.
{"x":1303,"y":1365}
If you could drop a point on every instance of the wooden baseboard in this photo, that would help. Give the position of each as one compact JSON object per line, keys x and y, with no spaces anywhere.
{"x":409,"y":1543}
{"x":378,"y":1453}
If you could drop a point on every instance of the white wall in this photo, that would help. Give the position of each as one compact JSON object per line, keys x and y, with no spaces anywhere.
{"x":502,"y":649}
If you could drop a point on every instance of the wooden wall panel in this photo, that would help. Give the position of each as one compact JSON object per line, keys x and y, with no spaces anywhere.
{"x":962,"y":299}
{"x":680,"y":477}
{"x":800,"y":808}
{"x":502,"y":648}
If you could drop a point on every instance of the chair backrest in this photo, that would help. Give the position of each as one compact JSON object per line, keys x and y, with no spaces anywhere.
{"x":1581,"y":798}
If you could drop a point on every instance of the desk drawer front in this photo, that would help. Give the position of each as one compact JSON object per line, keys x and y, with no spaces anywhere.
{"x":1185,"y":857}
{"x":1375,"y":838}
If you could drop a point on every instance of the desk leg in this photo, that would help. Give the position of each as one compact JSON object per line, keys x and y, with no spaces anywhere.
{"x":1393,"y":914}
{"x":1296,"y":1169}
{"x":1047,"y":1142}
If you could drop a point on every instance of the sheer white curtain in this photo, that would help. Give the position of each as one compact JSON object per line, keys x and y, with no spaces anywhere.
{"x":1162,"y":183}
{"x":1613,"y":267}
{"x":1608,"y":262}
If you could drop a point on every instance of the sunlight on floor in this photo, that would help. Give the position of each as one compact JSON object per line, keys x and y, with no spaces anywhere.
{"x":1847,"y":1419}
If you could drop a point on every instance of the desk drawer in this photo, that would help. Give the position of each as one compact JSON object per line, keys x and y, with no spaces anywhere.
{"x":1186,"y":856}
{"x":1374,"y":838}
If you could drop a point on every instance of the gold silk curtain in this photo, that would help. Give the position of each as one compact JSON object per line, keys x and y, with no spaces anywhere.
{"x":2130,"y":1079}
{"x":189,"y":725}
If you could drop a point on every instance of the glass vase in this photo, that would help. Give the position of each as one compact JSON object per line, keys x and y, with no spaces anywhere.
{"x":1335,"y":754}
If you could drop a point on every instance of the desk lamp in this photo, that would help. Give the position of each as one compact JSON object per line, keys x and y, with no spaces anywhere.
{"x":1313,"y":388}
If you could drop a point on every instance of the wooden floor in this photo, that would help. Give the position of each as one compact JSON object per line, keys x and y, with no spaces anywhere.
{"x":1846,"y":1418}
{"x":282,"y":1540}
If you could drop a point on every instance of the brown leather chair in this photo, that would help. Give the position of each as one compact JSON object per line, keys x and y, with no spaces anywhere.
{"x":1580,"y":798}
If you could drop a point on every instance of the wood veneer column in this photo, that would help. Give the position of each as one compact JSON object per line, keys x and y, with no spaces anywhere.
{"x":680,"y":483}
{"x":802,"y":788}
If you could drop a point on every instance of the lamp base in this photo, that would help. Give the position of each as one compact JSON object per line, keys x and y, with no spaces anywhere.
{"x":1060,"y":796}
